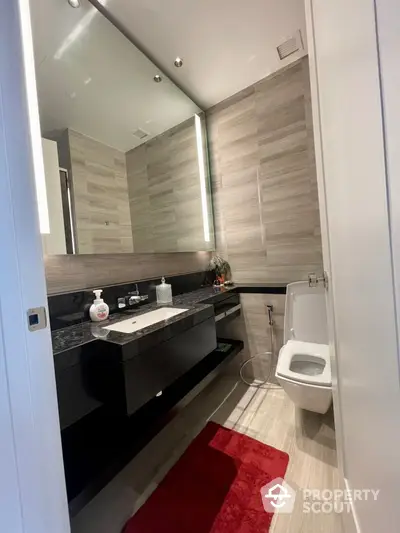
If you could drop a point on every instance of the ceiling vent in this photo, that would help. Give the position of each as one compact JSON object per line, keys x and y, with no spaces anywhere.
{"x":291,"y":46}
{"x":140,"y":134}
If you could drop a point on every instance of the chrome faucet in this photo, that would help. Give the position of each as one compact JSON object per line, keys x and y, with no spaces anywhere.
{"x":133,"y":298}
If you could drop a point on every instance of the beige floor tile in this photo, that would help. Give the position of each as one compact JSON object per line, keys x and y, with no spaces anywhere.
{"x":264,"y":414}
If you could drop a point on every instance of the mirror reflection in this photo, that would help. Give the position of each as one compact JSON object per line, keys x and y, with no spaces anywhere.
{"x":124,"y":149}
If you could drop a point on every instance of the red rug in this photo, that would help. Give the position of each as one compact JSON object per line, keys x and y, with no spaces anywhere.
{"x":214,"y":487}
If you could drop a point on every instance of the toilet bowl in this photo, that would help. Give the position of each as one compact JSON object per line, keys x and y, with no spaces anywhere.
{"x":304,"y":367}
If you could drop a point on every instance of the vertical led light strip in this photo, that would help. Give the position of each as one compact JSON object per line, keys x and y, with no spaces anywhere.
{"x":33,"y":112}
{"x":203,"y":189}
{"x":69,"y":201}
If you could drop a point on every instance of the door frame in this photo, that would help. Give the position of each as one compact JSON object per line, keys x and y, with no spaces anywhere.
{"x":319,"y":160}
{"x":353,"y":58}
{"x":32,"y":484}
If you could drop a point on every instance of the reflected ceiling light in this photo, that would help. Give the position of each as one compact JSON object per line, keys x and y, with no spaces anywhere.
{"x":74,"y":3}
{"x":157,"y":78}
{"x":202,"y":175}
{"x":76,"y":32}
{"x":34,"y":121}
{"x":178,"y":62}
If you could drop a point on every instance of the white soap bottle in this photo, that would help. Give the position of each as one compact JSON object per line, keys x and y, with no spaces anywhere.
{"x":99,"y":309}
{"x":164,"y":292}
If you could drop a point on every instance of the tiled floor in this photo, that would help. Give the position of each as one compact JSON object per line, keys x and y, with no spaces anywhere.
{"x":267,"y":415}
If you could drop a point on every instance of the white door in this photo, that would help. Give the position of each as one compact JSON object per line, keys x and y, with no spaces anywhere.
{"x":32,"y":486}
{"x":352,"y":176}
{"x":322,"y":201}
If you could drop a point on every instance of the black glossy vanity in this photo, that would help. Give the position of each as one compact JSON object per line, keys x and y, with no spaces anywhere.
{"x":117,"y":390}
{"x":95,"y":366}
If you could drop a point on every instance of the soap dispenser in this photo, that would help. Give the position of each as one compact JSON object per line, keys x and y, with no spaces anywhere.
{"x":99,"y":309}
{"x":164,"y":292}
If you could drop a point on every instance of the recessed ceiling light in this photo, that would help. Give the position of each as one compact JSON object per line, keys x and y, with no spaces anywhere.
{"x":178,"y":62}
{"x":74,"y":3}
{"x":157,"y":78}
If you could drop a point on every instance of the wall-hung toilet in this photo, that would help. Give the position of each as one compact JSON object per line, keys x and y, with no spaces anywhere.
{"x":304,"y":368}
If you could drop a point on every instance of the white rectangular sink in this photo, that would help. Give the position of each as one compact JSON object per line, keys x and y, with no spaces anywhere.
{"x":135,"y":323}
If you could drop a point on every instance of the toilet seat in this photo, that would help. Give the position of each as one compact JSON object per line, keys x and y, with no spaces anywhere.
{"x":307,"y":352}
{"x":304,"y":367}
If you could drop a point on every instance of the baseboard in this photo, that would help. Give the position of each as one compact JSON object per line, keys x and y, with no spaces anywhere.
{"x":349,"y":520}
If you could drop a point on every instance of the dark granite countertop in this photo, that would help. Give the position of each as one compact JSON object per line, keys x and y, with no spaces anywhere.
{"x":261,"y":285}
{"x":210,"y":293}
{"x":260,"y":288}
{"x":75,"y":336}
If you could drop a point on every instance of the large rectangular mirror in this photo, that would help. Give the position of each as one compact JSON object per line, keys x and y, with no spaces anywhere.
{"x":125,"y":154}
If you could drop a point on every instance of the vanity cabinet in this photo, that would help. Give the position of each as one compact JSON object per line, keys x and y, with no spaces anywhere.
{"x":124,"y":377}
{"x":149,"y":373}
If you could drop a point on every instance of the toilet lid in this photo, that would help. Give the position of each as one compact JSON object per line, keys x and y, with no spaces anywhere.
{"x":305,"y":313}
{"x":305,"y":362}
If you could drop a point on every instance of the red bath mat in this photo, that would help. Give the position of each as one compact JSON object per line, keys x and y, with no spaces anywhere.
{"x":214,"y":487}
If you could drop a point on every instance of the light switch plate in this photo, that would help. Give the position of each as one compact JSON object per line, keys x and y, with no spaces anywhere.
{"x":37,"y":318}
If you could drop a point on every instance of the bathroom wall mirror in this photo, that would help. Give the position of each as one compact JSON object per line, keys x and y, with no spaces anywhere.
{"x":125,"y":158}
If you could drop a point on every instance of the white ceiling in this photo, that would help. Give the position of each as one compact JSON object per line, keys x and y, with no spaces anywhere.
{"x":226,"y":45}
{"x":92,"y":79}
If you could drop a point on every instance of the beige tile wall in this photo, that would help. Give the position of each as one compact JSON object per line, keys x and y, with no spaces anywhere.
{"x":253,"y":328}
{"x":265,"y":199}
{"x":67,"y":273}
{"x":100,"y":192}
{"x":264,"y":179}
{"x":165,"y":194}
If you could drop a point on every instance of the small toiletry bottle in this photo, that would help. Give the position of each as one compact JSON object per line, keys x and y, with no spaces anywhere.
{"x":164,"y":292}
{"x":99,"y":309}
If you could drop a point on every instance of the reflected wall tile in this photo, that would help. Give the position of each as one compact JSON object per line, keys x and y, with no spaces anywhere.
{"x":164,"y":192}
{"x":101,"y":207}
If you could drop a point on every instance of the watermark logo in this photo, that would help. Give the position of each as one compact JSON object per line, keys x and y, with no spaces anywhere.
{"x":278,"y":496}
{"x":339,"y":501}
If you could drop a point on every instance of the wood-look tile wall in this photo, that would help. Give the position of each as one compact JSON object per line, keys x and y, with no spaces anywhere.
{"x":165,"y":194}
{"x":100,"y":195}
{"x":264,"y":179}
{"x":266,"y":199}
{"x":99,"y":179}
{"x":254,"y":329}
{"x":67,"y":273}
